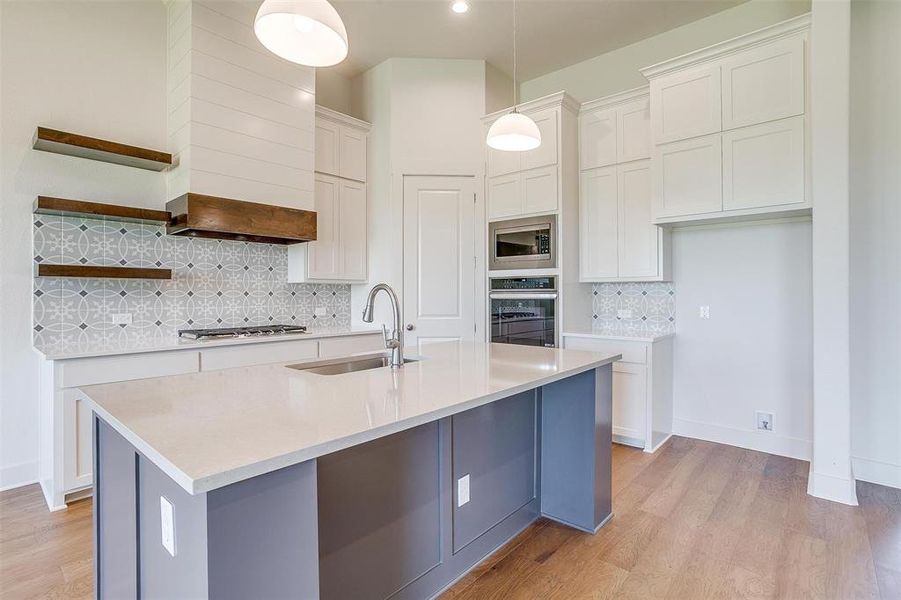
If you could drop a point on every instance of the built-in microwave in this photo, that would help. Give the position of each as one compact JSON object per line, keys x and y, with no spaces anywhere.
{"x":529,"y":243}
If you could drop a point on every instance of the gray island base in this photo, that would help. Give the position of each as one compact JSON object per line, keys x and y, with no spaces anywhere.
{"x":380,"y":519}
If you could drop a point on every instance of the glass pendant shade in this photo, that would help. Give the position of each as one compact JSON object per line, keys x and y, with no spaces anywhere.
{"x":514,"y":132}
{"x":306,"y":32}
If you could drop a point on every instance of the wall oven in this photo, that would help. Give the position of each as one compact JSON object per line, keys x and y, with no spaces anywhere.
{"x":529,"y":243}
{"x":524,"y":310}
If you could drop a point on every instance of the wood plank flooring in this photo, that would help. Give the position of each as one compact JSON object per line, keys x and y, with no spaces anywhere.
{"x":695,"y":520}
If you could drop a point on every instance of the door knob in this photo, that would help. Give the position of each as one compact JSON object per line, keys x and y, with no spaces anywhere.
{"x":410,"y":327}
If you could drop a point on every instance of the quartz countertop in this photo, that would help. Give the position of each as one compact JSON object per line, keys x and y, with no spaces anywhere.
{"x":207,"y":430}
{"x":621,"y":334}
{"x":176,"y":343}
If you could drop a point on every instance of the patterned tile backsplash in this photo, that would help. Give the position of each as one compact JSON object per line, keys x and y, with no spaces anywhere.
{"x":653,"y":307}
{"x":215,"y":284}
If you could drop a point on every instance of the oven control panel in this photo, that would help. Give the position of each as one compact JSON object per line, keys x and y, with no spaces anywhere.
{"x":524,"y":283}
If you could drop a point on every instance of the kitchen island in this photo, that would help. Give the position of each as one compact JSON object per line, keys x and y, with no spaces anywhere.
{"x":282,"y":481}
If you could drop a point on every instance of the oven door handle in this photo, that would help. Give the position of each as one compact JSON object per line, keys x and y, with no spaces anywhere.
{"x":522,"y":296}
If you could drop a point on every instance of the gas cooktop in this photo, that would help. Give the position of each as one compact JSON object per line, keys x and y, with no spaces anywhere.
{"x":237,"y":332}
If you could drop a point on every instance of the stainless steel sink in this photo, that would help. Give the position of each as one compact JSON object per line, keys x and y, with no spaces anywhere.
{"x":340,"y":366}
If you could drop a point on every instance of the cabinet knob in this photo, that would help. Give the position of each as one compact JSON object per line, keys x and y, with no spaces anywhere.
{"x":410,"y":327}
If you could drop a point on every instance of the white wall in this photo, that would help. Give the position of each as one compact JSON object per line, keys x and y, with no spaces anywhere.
{"x":59,"y":70}
{"x":875,"y":181}
{"x":335,"y":91}
{"x":617,"y":70}
{"x":425,"y":116}
{"x":754,"y":353}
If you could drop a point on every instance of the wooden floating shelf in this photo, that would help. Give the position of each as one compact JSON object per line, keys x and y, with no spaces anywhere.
{"x":73,"y":144}
{"x":50,"y":270}
{"x":47,"y":205}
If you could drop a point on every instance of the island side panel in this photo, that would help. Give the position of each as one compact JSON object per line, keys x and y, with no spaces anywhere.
{"x":115,"y":515}
{"x":263,"y":536}
{"x":576,"y":440}
{"x":162,"y":575}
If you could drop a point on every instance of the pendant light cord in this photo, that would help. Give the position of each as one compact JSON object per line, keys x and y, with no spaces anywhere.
{"x":515,"y":91}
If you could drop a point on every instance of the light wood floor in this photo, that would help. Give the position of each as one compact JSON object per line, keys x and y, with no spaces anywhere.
{"x":695,"y":520}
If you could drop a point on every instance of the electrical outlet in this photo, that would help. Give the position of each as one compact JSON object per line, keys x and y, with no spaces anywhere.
{"x":167,"y":524}
{"x":624,"y":313}
{"x":321,"y":311}
{"x":121,"y":318}
{"x":704,"y":312}
{"x":463,"y":490}
{"x":764,"y":421}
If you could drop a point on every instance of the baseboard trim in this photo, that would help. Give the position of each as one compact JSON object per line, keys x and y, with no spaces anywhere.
{"x":15,"y":476}
{"x":836,"y":489}
{"x":762,"y":441}
{"x":876,"y":471}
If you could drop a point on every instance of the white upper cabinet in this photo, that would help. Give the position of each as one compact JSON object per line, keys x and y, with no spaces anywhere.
{"x":688,"y":177}
{"x":729,"y":124}
{"x":340,"y":145}
{"x":764,"y":83}
{"x":339,"y":252}
{"x":763,"y":165}
{"x":638,"y":239}
{"x":529,"y":183}
{"x":326,"y":142}
{"x":545,"y":154}
{"x":598,"y":222}
{"x":633,"y":131}
{"x":686,"y":104}
{"x":352,"y":154}
{"x":618,"y":240}
{"x":597,"y":138}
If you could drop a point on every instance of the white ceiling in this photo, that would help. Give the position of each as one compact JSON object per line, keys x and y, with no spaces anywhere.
{"x":550,"y":33}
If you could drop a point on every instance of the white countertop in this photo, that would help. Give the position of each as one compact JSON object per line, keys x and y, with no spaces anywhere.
{"x":208,"y":430}
{"x":621,"y":334}
{"x":176,"y":343}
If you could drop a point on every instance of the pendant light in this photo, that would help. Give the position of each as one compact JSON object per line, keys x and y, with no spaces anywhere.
{"x":306,"y":32}
{"x":514,"y":132}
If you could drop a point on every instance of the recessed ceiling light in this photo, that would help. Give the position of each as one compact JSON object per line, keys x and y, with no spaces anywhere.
{"x":460,"y":6}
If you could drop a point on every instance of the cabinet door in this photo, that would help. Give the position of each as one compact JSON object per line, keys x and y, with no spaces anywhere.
{"x":597,"y":224}
{"x":78,"y":463}
{"x":633,"y":131}
{"x":597,"y":138}
{"x":502,"y":162}
{"x":688,"y":177}
{"x":630,"y":396}
{"x":504,"y":199}
{"x":352,"y":230}
{"x":764,"y":84}
{"x":546,"y":153}
{"x":763,"y":165}
{"x":539,"y":190}
{"x":686,"y":104}
{"x":322,"y":255}
{"x":352,"y":154}
{"x":326,"y":144}
{"x":638,"y":238}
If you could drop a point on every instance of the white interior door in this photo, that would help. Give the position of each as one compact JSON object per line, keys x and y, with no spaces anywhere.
{"x":439,"y":259}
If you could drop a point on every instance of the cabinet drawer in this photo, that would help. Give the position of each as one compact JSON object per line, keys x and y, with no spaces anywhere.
{"x":633,"y":352}
{"x":108,"y":369}
{"x":343,"y":346}
{"x":246,"y":355}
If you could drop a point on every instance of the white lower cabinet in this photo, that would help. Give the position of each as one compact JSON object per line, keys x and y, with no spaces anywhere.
{"x":642,"y":387}
{"x":66,"y":457}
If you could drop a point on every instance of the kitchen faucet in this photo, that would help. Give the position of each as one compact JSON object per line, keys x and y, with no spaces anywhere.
{"x":396,"y":342}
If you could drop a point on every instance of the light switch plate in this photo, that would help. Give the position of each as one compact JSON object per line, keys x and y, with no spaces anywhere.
{"x":624,"y":313}
{"x":321,"y":311}
{"x":463,"y":490}
{"x":704,"y":312}
{"x":121,"y":318}
{"x":167,"y":523}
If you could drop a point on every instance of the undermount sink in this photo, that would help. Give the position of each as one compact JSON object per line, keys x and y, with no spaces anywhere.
{"x":340,"y":366}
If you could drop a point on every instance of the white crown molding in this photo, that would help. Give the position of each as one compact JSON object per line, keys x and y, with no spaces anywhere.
{"x":561,"y":99}
{"x":615,"y":99}
{"x":333,"y":115}
{"x":784,"y":29}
